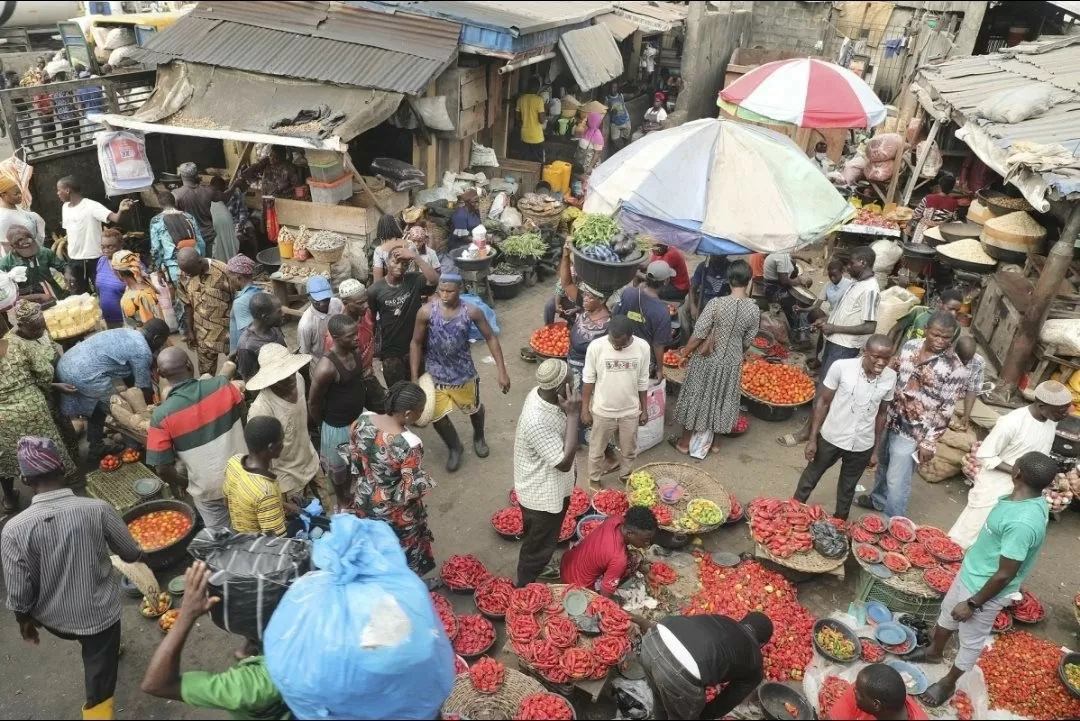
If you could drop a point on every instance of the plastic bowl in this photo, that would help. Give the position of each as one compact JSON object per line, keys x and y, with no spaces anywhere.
{"x":772,"y":697}
{"x":831,"y":623}
{"x":890,"y":634}
{"x":919,"y":682}
{"x":1072,"y":657}
{"x":877,"y":613}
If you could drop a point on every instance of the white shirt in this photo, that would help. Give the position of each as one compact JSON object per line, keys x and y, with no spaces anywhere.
{"x":849,"y":424}
{"x":858,"y":305}
{"x":618,"y":375}
{"x":777,"y":264}
{"x":538,"y":448}
{"x":311,"y":330}
{"x":1016,"y":433}
{"x":83,"y":225}
{"x":26,"y":218}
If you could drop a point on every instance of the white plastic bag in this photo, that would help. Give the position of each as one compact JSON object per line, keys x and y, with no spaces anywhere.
{"x":1064,"y":333}
{"x":433,"y":112}
{"x":498,"y":206}
{"x":700,"y":443}
{"x":652,"y":432}
{"x":932,"y":165}
{"x":483,"y":156}
{"x":1014,"y":106}
{"x":124,"y":164}
{"x":511,"y":218}
{"x":118,"y":38}
{"x":886,"y":254}
{"x":892,"y":306}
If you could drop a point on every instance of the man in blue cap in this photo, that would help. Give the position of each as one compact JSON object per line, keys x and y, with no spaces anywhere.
{"x":311,"y":331}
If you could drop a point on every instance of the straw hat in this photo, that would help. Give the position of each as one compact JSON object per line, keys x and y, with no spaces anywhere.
{"x":427,"y":383}
{"x":276,"y":363}
{"x":594,"y":106}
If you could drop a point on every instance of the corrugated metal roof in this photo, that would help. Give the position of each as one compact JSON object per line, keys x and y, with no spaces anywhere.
{"x":592,"y":56}
{"x":620,"y":27}
{"x":326,"y":42}
{"x":521,"y":18}
{"x":657,"y":17}
{"x":959,"y":86}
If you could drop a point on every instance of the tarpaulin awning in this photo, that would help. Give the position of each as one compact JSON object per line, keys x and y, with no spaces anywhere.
{"x":205,"y":101}
{"x":592,"y":56}
{"x":620,"y":27}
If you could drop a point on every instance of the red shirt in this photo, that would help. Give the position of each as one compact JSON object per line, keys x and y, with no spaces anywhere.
{"x":940,"y":201}
{"x":675,"y":259}
{"x":601,"y":556}
{"x":846,"y":708}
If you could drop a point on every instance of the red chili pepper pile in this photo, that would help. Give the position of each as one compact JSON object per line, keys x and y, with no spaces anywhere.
{"x":965,"y":710}
{"x":938,"y":579}
{"x":561,"y":631}
{"x":749,"y":587}
{"x":568,"y":528}
{"x":475,"y":635}
{"x":615,"y":622}
{"x":783,"y":527}
{"x":579,"y":502}
{"x":540,"y":654}
{"x":578,"y":663}
{"x":919,"y":556}
{"x":925,"y":533}
{"x":888,"y":543}
{"x":736,"y":509}
{"x":611,"y":649}
{"x":520,"y":626}
{"x":872,"y":651}
{"x":831,"y":691}
{"x":610,"y":502}
{"x":872,"y":524}
{"x":896,"y":563}
{"x":531,"y":598}
{"x":867,"y":553}
{"x":590,"y":525}
{"x":446,"y":615}
{"x":663,"y":514}
{"x":861,"y":535}
{"x":1029,"y":609}
{"x":1002,"y":621}
{"x":464,"y":572}
{"x":944,"y":549}
{"x":902,"y":530}
{"x":662,"y":574}
{"x":492,"y":597}
{"x":487,"y":675}
{"x":509,"y":521}
{"x":1022,"y":677}
{"x":541,"y":706}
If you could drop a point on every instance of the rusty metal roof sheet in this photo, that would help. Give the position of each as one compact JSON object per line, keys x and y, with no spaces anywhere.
{"x":322,"y":41}
{"x":620,"y":27}
{"x":656,"y":17}
{"x":592,"y":56}
{"x":519,"y":17}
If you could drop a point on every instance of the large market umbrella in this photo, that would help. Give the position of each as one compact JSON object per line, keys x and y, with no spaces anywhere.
{"x":718,"y":187}
{"x":804,"y":92}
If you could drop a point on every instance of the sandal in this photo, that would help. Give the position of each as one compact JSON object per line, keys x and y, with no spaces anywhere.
{"x":673,"y":441}
{"x":527,"y":354}
{"x":935,"y":695}
{"x":787,"y":440}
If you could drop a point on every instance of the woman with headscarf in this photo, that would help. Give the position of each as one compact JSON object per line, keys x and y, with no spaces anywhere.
{"x":26,"y":376}
{"x":656,"y":115}
{"x":110,"y":288}
{"x":591,"y":143}
{"x":11,"y":214}
{"x":140,"y":300}
{"x":241,"y":274}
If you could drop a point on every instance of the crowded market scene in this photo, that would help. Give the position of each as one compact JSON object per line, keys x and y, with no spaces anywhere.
{"x":535,"y":366}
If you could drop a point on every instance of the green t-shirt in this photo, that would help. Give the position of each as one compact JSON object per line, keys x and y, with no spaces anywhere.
{"x":245,"y":691}
{"x":914,"y":324}
{"x":1015,"y":530}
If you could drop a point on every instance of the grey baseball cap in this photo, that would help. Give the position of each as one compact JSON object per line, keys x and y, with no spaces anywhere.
{"x":659,"y":270}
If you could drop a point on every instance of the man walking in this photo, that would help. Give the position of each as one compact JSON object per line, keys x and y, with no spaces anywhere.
{"x":207,"y":296}
{"x":395,"y":300}
{"x":442,"y":336}
{"x":992,"y":572}
{"x":545,"y":443}
{"x":195,"y":199}
{"x":201,"y":424}
{"x":311,"y":329}
{"x":614,"y":386}
{"x":355,"y":299}
{"x":848,"y":421}
{"x":266,"y":317}
{"x":82,"y":219}
{"x":57,"y":570}
{"x":930,"y":379}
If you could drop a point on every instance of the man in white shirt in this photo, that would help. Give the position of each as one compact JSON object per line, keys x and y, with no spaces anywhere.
{"x":615,"y":381}
{"x":545,"y":444}
{"x":82,"y":219}
{"x":311,"y":330}
{"x":848,"y":421}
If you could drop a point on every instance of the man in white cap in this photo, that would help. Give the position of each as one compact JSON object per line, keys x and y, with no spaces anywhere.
{"x":1027,"y":429}
{"x":650,"y":315}
{"x":354,"y":297}
{"x":283,"y":395}
{"x":544,"y":474}
{"x":311,"y":330}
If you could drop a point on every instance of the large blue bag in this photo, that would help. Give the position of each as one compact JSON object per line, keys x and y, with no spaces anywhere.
{"x":359,"y":638}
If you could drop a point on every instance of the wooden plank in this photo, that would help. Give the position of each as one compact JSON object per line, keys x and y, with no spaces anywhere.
{"x":341,"y":218}
{"x":473,"y":92}
{"x":472,"y":121}
{"x":494,"y":92}
{"x":449,"y":85}
{"x":469,"y":75}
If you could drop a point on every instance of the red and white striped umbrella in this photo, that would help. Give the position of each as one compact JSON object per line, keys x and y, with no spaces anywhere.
{"x":804,"y":92}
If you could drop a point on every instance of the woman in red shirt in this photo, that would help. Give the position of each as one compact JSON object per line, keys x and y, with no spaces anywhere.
{"x":878,"y":693}
{"x":935,"y":209}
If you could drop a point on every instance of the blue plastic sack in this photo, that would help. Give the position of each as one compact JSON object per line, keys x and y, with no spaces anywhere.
{"x":487,"y":310}
{"x":359,"y":638}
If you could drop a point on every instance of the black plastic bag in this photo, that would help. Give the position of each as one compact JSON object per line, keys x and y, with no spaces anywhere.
{"x":828,"y":541}
{"x":394,"y":169}
{"x":250,"y":573}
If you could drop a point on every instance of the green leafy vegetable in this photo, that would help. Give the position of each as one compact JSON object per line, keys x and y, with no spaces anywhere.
{"x":526,"y":245}
{"x":593,"y":229}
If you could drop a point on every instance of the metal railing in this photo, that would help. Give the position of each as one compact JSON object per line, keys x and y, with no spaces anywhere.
{"x":46,"y":121}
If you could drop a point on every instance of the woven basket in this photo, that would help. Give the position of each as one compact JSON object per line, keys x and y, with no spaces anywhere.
{"x":465,"y":701}
{"x":696,"y":484}
{"x":116,"y":487}
{"x":675,"y":375}
{"x":327,"y":256}
{"x":805,"y":561}
{"x":542,"y":220}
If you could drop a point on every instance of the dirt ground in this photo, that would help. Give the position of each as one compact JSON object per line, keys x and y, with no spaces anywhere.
{"x":46,"y":681}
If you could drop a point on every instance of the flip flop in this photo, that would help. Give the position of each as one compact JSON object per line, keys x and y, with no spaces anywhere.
{"x":934,"y":696}
{"x":787,"y":440}
{"x":674,"y":443}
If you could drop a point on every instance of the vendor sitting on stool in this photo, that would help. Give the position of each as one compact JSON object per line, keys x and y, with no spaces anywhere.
{"x":679,"y":284}
{"x":683,"y":655}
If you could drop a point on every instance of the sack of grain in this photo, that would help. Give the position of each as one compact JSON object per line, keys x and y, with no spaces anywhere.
{"x":978,"y":213}
{"x":892,"y":306}
{"x":1017,"y":232}
{"x":938,"y":470}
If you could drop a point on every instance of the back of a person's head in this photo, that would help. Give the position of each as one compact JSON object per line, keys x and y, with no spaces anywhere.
{"x":261,"y":432}
{"x":1038,"y":470}
{"x":947,"y":182}
{"x":760,"y":624}
{"x":883,"y":684}
{"x":739,"y":274}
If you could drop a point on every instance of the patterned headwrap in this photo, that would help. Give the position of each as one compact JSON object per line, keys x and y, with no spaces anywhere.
{"x":586,"y":288}
{"x":416,"y":234}
{"x":38,"y":456}
{"x":126,"y":261}
{"x":240,"y":264}
{"x":26,"y":311}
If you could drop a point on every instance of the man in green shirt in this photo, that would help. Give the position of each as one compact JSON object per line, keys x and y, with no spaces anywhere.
{"x":993,"y":569}
{"x":245,"y":691}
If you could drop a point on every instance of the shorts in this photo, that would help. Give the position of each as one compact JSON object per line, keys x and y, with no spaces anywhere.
{"x":974,"y":632}
{"x":466,"y":397}
{"x":619,"y":132}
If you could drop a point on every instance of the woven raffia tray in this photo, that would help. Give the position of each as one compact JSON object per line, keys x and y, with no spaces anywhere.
{"x":696,"y":484}
{"x":910,"y":582}
{"x":804,"y":561}
{"x":465,"y":701}
{"x":116,"y":487}
{"x":675,"y":375}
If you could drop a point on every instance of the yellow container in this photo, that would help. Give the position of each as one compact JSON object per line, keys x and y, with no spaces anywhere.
{"x":285,"y":248}
{"x":917,"y":292}
{"x":557,"y":175}
{"x":1074,"y":382}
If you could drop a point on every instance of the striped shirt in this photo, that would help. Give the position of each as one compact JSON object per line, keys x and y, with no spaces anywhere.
{"x":254,"y":500}
{"x":199,"y":424}
{"x":56,"y":562}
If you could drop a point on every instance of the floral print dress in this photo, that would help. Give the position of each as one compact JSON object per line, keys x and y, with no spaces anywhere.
{"x":389,"y":486}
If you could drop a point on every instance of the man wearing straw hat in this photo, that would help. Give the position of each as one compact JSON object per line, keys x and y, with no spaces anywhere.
{"x":545,"y":444}
{"x":283,"y":395}
{"x":57,"y":570}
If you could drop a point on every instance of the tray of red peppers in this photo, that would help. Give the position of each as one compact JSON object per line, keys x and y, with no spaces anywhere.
{"x":509,"y":523}
{"x":1021,"y":674}
{"x":611,"y":649}
{"x":579,"y":502}
{"x":944,"y":549}
{"x":530,"y":598}
{"x":661,"y":574}
{"x":543,"y":706}
{"x":871,"y":650}
{"x":487,"y":675}
{"x":861,"y":535}
{"x":925,"y":533}
{"x":463,"y":572}
{"x":867,"y":553}
{"x":588,"y":526}
{"x":568,"y":528}
{"x":610,"y":502}
{"x":939,"y":579}
{"x":1002,"y":622}
{"x":919,"y":556}
{"x":1028,"y":609}
{"x":736,"y":514}
{"x":896,"y":562}
{"x":475,"y":635}
{"x":579,"y":663}
{"x":888,"y":543}
{"x":492,"y":597}
{"x":872,"y":524}
{"x":446,"y":615}
{"x":902,"y":529}
{"x":561,"y":631}
{"x":831,"y":691}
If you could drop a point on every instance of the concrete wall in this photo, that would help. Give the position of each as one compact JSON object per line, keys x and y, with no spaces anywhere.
{"x":790,"y":25}
{"x":711,"y":38}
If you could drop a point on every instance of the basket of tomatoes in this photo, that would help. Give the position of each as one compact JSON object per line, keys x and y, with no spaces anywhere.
{"x":110,"y":463}
{"x":130,"y":455}
{"x":774,"y":390}
{"x":551,"y":341}
{"x":672,"y":359}
{"x":163,"y":529}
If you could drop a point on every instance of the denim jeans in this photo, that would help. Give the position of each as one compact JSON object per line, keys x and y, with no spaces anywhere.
{"x":892,"y":481}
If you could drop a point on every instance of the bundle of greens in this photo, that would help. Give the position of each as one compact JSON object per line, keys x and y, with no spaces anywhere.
{"x":525,"y":245}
